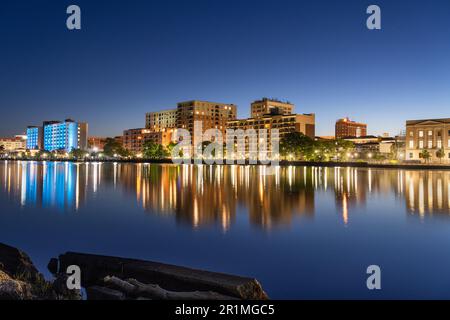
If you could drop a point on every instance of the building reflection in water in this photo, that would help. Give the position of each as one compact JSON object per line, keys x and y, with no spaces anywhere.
{"x":200,"y":195}
{"x":427,"y":192}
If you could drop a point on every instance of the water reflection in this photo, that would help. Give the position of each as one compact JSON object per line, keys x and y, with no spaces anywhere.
{"x":211,"y":195}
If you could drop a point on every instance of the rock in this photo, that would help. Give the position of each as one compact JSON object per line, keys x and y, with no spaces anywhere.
{"x":53,"y":266}
{"x":17,"y":264}
{"x":59,"y":287}
{"x":19,"y":279}
{"x":11,"y":289}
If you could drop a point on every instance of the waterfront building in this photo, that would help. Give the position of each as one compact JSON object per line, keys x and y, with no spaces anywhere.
{"x":34,"y":138}
{"x":17,"y":143}
{"x":211,"y":114}
{"x":134,"y":139}
{"x":373,"y":144}
{"x":58,"y":135}
{"x":260,"y":108}
{"x":432,"y":135}
{"x":161,"y":120}
{"x":347,"y":128}
{"x":304,"y":123}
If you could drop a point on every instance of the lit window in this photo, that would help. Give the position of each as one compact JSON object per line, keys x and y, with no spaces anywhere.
{"x":430,"y":133}
{"x":430,"y":144}
{"x":421,"y":144}
{"x":421,"y":133}
{"x":411,"y":144}
{"x":439,"y":144}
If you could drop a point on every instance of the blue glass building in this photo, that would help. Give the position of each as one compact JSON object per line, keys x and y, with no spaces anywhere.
{"x":58,"y":135}
{"x":34,"y":138}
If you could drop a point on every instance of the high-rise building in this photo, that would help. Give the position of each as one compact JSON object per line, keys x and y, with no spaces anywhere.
{"x":58,"y":135}
{"x":345,"y":128}
{"x":161,"y":120}
{"x":432,"y":135}
{"x":266,"y":106}
{"x":211,"y":114}
{"x":34,"y":138}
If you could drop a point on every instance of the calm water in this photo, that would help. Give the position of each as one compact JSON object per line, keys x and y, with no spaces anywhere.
{"x":303,"y":232}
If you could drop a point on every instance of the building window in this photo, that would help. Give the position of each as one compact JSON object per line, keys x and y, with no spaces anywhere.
{"x":430,"y":144}
{"x":411,"y":134}
{"x":411,"y":144}
{"x":421,"y":144}
{"x":439,"y":144}
{"x":411,"y":155}
{"x":430,"y":133}
{"x":421,"y":134}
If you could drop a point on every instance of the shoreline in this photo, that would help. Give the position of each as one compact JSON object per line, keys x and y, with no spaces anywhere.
{"x":413,"y":166}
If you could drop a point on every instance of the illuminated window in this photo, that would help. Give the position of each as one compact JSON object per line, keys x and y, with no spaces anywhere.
{"x":430,"y":144}
{"x":421,"y":133}
{"x":411,"y":144}
{"x":439,"y":144}
{"x":421,"y":144}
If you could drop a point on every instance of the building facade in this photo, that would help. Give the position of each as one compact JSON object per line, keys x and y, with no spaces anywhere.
{"x":58,"y":135}
{"x":161,"y":120}
{"x":304,"y":123}
{"x":34,"y":138}
{"x":13,"y":144}
{"x":134,"y":139}
{"x":373,"y":144}
{"x":432,"y":135}
{"x":345,"y":128}
{"x":211,"y":114}
{"x":266,"y":106}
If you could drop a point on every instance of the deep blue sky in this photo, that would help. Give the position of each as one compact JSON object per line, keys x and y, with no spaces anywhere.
{"x":137,"y":56}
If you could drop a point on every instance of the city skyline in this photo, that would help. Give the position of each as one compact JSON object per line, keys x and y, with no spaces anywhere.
{"x":127,"y":62}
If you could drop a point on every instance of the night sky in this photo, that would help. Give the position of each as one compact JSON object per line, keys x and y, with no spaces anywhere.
{"x":133,"y":56}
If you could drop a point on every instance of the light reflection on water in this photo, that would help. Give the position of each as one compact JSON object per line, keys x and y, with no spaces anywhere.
{"x":201,"y":195}
{"x":304,"y":232}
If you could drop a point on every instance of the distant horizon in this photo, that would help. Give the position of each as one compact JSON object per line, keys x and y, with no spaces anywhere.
{"x":131,"y":59}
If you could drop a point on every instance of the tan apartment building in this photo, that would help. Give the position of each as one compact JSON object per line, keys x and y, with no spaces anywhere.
{"x":17,"y":143}
{"x":161,"y":120}
{"x":134,"y":139}
{"x":211,"y":114}
{"x":345,"y":128}
{"x":429,"y":134}
{"x":304,"y":123}
{"x":265,"y":106}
